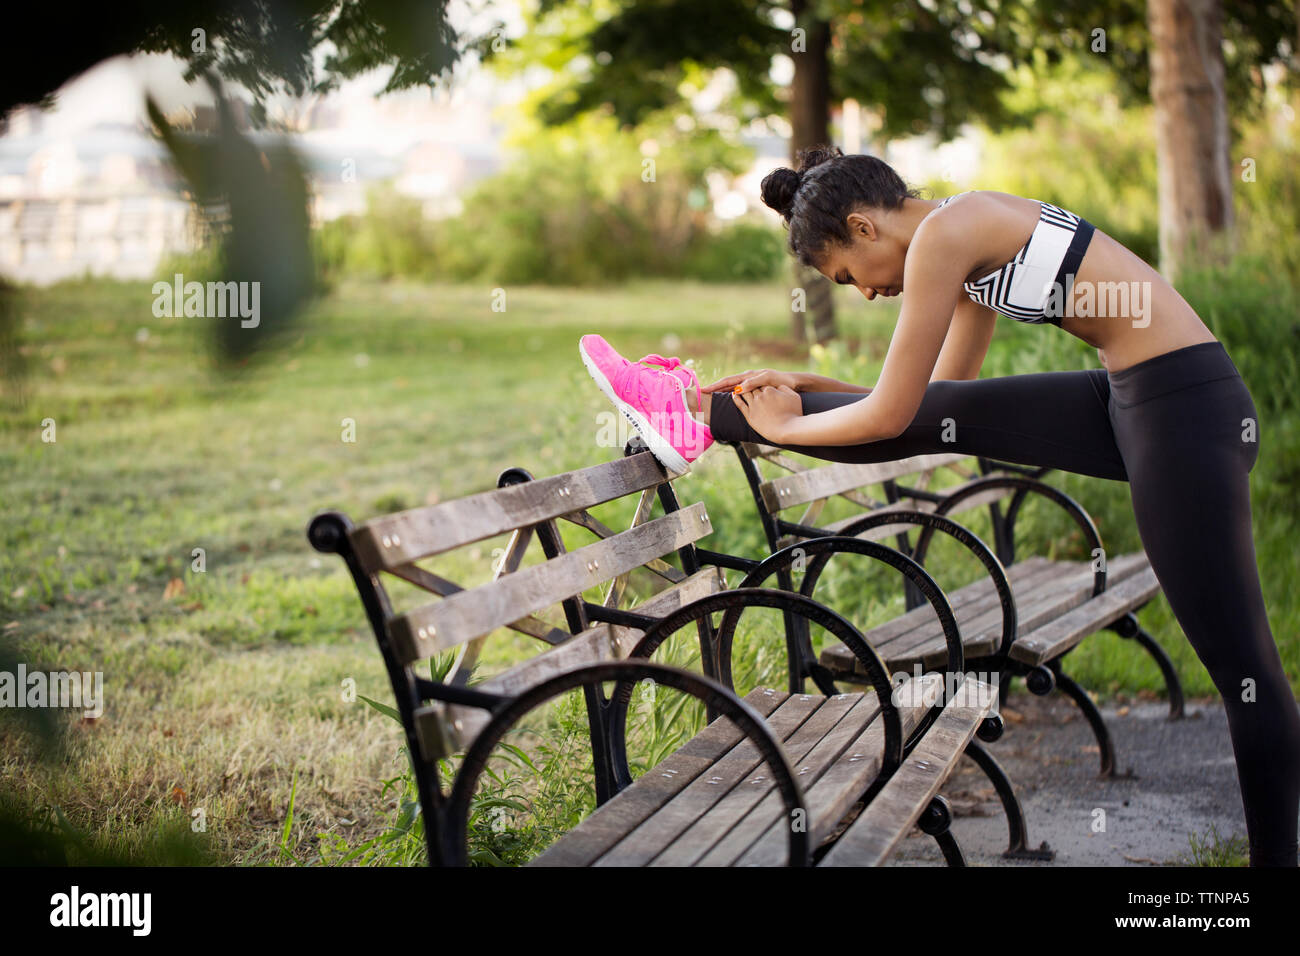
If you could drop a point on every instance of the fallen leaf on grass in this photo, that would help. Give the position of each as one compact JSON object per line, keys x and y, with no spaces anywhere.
{"x":175,"y":588}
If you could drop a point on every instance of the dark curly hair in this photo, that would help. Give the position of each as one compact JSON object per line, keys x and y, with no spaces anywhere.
{"x":816,"y":199}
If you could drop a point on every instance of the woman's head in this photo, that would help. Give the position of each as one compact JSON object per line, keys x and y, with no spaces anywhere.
{"x":833,"y":203}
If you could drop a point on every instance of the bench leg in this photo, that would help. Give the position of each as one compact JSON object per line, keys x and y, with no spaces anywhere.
{"x":1128,"y":627}
{"x":1018,"y":833}
{"x":1099,"y":730}
{"x":937,"y":821}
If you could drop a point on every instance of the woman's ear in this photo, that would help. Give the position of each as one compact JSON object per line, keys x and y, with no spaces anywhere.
{"x":861,"y":225}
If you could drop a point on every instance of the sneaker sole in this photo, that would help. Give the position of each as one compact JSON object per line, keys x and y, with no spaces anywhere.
{"x":663,"y":450}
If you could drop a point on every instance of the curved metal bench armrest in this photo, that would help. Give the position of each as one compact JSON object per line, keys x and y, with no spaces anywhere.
{"x":732,"y":603}
{"x":817,"y":551}
{"x":1024,"y":487}
{"x":932,"y":522}
{"x":626,"y":673}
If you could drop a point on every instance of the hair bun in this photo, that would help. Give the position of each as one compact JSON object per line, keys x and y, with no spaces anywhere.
{"x":780,"y":185}
{"x":808,"y":158}
{"x":778,"y":189}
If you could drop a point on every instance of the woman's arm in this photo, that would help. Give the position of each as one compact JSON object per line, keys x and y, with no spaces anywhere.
{"x":967,"y":343}
{"x":938,"y":260}
{"x":796,"y":381}
{"x":808,"y":382}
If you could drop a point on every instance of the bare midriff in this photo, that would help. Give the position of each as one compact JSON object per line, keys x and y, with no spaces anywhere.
{"x":1134,"y":313}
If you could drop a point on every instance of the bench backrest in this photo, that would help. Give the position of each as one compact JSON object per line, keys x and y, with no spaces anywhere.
{"x":874,"y":487}
{"x":515,"y":597}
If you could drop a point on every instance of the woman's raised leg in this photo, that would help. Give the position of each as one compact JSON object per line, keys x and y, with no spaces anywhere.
{"x":1054,"y":419}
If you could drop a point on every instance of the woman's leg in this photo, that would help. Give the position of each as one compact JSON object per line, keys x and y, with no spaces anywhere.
{"x":1056,"y":419}
{"x":1189,"y":450}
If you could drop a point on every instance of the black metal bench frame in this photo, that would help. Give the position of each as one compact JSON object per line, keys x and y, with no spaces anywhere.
{"x":1040,"y":679}
{"x":446,"y":815}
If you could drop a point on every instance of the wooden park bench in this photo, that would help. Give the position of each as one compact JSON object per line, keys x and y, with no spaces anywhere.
{"x":1057,"y":603}
{"x":776,"y":777}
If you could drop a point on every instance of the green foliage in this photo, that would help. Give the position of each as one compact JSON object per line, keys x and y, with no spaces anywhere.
{"x":1254,"y":310}
{"x":1213,"y":849}
{"x":581,"y":205}
{"x":1052,"y":161}
{"x":391,"y":238}
{"x":737,"y":252}
{"x":267,"y":48}
{"x":1266,"y":188}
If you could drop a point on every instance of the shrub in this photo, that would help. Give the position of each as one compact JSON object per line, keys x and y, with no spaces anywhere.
{"x":739,"y":251}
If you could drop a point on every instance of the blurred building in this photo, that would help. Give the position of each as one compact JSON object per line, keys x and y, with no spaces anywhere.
{"x":86,"y":188}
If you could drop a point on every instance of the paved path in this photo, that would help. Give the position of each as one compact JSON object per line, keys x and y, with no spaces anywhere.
{"x":1185,"y":783}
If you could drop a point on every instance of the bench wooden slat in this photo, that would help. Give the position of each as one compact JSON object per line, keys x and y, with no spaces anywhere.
{"x":424,"y":631}
{"x":1069,"y":586}
{"x":456,"y":726}
{"x":982,"y":604}
{"x":838,"y":657}
{"x":640,"y":845}
{"x":896,"y":808}
{"x":704,"y":826}
{"x":1048,"y":604}
{"x":608,"y":823}
{"x":833,"y":794}
{"x":408,"y":536}
{"x":838,"y":477}
{"x":770,"y":813}
{"x":1057,"y":636}
{"x":1041,"y":589}
{"x":660,"y":567}
{"x":881,"y":532}
{"x":1065,"y":585}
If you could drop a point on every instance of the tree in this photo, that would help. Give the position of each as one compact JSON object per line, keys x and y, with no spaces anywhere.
{"x":266,"y":47}
{"x":1200,"y":64}
{"x":921,"y":66}
{"x":1193,"y":146}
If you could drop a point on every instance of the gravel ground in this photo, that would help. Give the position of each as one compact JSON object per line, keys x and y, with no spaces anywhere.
{"x":1184,"y":782}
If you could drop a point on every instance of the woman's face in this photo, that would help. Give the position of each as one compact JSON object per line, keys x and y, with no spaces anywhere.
{"x":871,"y":261}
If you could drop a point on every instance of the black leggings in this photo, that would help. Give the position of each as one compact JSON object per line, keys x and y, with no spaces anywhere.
{"x":1181,"y":429}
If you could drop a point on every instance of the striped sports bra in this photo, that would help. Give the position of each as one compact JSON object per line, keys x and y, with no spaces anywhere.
{"x":1035,"y":285}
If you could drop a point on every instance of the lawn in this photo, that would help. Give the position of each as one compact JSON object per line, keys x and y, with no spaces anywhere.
{"x":225,"y":686}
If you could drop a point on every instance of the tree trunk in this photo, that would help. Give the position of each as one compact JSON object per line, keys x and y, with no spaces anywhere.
{"x":810,"y":118}
{"x":1193,"y":139}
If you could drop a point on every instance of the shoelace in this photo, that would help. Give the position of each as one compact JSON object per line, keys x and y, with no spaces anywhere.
{"x":670,"y":364}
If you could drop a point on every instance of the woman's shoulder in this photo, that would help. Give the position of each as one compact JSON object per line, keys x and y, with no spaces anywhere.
{"x":986,"y":197}
{"x":986,"y":226}
{"x":986,"y":207}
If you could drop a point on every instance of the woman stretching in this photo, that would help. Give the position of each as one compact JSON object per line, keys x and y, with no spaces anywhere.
{"x":1168,"y":413}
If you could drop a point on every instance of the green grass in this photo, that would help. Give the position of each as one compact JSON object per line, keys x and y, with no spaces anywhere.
{"x":225,"y":686}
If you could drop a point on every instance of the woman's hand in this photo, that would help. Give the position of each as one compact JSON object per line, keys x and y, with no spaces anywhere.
{"x":757,"y":378}
{"x":770,"y":409}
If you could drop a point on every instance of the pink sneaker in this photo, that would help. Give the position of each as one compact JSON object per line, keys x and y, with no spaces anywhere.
{"x":651,"y":392}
